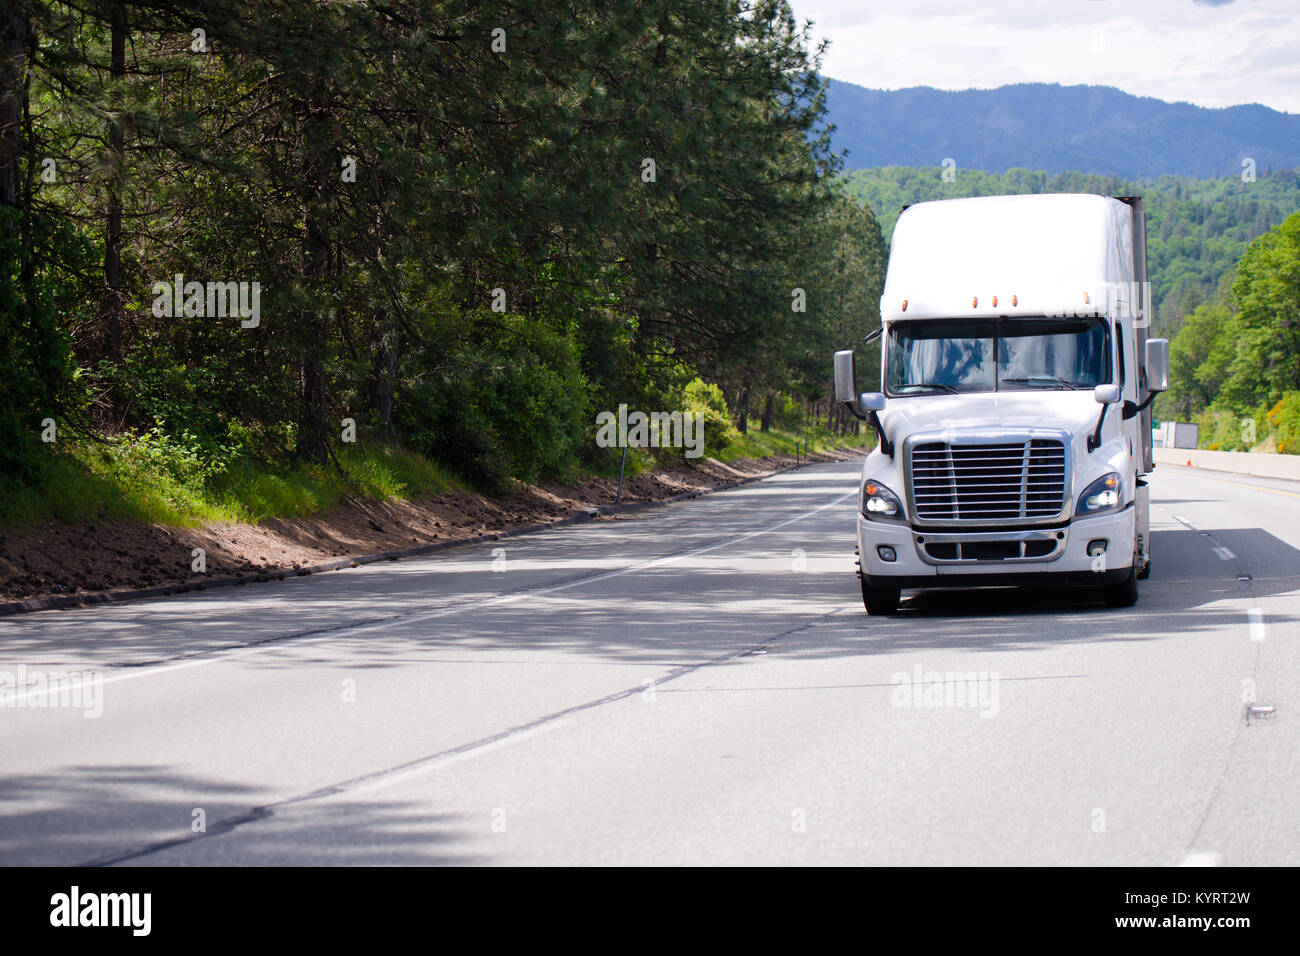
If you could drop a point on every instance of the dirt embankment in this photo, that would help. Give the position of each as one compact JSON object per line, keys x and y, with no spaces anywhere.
{"x":57,"y":559}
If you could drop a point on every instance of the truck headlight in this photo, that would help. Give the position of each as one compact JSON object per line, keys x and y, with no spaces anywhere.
{"x":1101,"y":496}
{"x":879,"y":503}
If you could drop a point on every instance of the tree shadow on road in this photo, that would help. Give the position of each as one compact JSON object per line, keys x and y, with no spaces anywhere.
{"x":109,"y":814}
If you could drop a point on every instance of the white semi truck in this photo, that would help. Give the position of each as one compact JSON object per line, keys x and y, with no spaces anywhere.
{"x":1013,"y":412}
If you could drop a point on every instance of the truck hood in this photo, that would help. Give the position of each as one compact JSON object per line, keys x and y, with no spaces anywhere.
{"x":1075,"y":411}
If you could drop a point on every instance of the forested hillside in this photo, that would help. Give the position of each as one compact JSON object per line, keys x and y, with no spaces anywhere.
{"x":1196,"y":228}
{"x":249,"y":244}
{"x":1235,"y":362}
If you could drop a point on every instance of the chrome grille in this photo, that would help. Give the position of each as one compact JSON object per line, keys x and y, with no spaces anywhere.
{"x":998,"y":481}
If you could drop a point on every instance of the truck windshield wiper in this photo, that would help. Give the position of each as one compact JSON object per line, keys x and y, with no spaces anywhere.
{"x":1044,"y":379}
{"x":938,"y":386}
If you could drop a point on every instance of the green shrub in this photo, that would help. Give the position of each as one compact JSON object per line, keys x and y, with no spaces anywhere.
{"x":1219,"y":430}
{"x":790,"y":412}
{"x":707,"y":400}
{"x":37,"y":380}
{"x":516,"y":406}
{"x":1283,"y":421}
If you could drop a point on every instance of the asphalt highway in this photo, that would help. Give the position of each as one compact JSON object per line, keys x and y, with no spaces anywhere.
{"x":690,"y":684}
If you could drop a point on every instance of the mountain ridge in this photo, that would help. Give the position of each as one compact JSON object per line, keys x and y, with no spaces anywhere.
{"x":1046,"y":126}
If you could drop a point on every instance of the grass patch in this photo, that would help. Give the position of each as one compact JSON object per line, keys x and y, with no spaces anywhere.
{"x":152,"y":479}
{"x":135,"y":480}
{"x":780,"y":441}
{"x":248,"y":491}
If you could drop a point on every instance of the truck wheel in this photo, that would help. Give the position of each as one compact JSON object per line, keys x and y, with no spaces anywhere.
{"x":1124,"y":594}
{"x":879,"y":600}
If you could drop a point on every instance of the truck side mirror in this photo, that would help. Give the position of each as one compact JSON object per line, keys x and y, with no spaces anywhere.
{"x":846,"y":387}
{"x":1157,"y":365}
{"x":1106,"y":394}
{"x":863,"y":406}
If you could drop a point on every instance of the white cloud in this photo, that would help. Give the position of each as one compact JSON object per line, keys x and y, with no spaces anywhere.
{"x":1208,"y":52}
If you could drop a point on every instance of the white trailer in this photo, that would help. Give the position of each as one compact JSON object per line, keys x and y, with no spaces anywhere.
{"x":1013,"y":412}
{"x":1179,"y":435}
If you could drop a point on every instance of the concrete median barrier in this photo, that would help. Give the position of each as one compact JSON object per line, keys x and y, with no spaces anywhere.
{"x":1236,"y":462}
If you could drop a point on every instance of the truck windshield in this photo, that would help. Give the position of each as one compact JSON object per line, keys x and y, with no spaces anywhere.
{"x":985,"y":355}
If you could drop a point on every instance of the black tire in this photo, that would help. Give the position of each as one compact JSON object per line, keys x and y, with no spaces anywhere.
{"x":879,"y":600}
{"x":1125,"y":593}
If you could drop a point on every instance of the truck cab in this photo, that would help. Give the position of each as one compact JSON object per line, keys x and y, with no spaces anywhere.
{"x":1013,"y":408}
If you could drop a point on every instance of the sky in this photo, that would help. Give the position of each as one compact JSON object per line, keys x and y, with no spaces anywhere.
{"x":1207,"y":52}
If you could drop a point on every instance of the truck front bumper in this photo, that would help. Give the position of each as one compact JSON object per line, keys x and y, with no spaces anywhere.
{"x":1042,"y":557}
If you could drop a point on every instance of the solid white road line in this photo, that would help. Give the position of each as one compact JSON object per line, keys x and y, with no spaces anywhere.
{"x":1255,"y":617}
{"x":437,"y":763}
